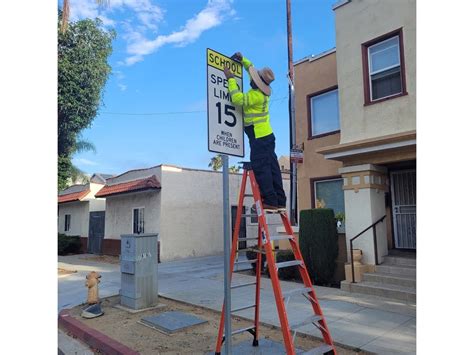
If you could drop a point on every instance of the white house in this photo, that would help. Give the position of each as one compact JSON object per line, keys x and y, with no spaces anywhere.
{"x":78,"y":206}
{"x":183,"y":206}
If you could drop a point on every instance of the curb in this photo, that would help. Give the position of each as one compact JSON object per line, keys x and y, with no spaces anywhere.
{"x":92,"y":337}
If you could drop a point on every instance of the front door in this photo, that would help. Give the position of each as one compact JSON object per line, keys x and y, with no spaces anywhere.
{"x":403,"y":186}
{"x":96,"y":232}
{"x":243,"y":227}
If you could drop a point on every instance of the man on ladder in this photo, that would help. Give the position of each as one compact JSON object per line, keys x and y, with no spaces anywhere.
{"x":265,"y":180}
{"x":255,"y":105}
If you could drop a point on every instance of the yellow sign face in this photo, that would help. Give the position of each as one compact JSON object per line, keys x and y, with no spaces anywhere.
{"x":219,"y":61}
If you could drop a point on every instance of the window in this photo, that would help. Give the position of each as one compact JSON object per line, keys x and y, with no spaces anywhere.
{"x":324,"y":113}
{"x":384,"y":75}
{"x":139,"y":220}
{"x":67,"y":222}
{"x":330,"y":194}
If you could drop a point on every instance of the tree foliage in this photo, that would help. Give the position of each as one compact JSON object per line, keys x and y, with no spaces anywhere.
{"x":216,"y":164}
{"x":83,"y":70}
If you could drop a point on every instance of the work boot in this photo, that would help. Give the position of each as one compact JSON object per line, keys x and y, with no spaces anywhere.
{"x":270,"y":208}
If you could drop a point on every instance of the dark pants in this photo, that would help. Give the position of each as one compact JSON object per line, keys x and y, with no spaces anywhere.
{"x":266,"y":168}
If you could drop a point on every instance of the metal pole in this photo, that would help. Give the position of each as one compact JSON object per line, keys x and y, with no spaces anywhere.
{"x":293,"y":175}
{"x":227,"y":300}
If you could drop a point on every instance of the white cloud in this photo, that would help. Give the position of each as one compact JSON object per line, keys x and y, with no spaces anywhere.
{"x":122,"y":87}
{"x":211,"y":16}
{"x":144,"y":20}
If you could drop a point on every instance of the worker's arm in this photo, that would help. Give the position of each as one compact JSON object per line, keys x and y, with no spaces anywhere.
{"x":246,"y":63}
{"x":236,"y":95}
{"x":239,"y":98}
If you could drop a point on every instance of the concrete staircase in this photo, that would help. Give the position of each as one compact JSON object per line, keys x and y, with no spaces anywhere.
{"x":395,"y":279}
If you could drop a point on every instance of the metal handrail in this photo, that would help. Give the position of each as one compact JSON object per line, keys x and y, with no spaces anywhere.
{"x":375,"y":244}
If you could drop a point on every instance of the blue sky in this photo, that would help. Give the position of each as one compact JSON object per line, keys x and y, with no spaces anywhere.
{"x":159,"y":66}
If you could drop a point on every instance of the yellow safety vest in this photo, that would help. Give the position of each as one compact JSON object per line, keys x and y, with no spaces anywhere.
{"x":255,"y":104}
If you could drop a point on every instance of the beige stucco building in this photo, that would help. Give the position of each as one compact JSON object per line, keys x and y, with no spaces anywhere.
{"x":319,"y":180}
{"x":356,"y":117}
{"x":183,"y":206}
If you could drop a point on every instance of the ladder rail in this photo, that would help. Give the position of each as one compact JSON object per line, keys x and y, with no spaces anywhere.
{"x":307,"y":281}
{"x":285,"y":327}
{"x":265,"y":244}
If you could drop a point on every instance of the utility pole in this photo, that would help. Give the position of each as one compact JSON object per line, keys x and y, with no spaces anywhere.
{"x":291,"y":108}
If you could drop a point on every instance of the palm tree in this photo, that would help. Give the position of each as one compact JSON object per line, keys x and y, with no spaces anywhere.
{"x":65,"y":14}
{"x":216,"y":164}
{"x":80,"y":146}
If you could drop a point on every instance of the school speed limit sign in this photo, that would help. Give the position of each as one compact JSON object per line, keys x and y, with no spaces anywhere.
{"x":225,"y":124}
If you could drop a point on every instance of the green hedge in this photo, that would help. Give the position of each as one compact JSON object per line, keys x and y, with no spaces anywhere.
{"x":251,"y":255}
{"x":68,"y":244}
{"x":318,"y":244}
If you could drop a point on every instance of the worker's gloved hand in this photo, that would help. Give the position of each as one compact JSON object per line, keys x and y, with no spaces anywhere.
{"x":228,"y":74}
{"x":237,"y":56}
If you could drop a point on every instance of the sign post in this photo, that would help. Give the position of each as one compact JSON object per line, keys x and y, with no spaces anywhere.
{"x":225,"y":134}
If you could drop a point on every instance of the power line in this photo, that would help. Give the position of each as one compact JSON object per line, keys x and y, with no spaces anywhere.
{"x":168,"y":113}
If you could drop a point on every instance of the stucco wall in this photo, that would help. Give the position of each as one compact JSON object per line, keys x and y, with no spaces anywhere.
{"x":79,"y":212}
{"x":358,"y":22}
{"x":97,"y":205}
{"x":192,"y":212}
{"x":358,"y":218}
{"x":119,"y":213}
{"x":312,"y":76}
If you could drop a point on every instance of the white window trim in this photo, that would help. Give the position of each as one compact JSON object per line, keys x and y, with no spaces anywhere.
{"x":382,"y":70}
{"x":313,"y":134}
{"x":133,"y":209}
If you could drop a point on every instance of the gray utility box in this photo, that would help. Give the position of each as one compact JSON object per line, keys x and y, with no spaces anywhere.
{"x":139,"y":270}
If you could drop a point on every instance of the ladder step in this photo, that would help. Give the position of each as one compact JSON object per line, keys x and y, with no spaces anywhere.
{"x":249,"y":215}
{"x":322,"y":349}
{"x":281,"y":237}
{"x":312,"y":319}
{"x":238,"y":331}
{"x":288,"y":263}
{"x":254,"y":249}
{"x":245,"y":262}
{"x":244,"y":284}
{"x":248,"y":195}
{"x":297,"y":291}
{"x":244,"y":239}
{"x":242,"y":308}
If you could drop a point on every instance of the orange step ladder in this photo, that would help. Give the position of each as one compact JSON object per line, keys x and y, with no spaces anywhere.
{"x":264,"y":246}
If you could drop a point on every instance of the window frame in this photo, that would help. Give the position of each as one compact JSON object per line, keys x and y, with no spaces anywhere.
{"x":312,"y":181}
{"x":365,"y":67}
{"x":133,"y":216}
{"x":310,"y":116}
{"x":67,"y":222}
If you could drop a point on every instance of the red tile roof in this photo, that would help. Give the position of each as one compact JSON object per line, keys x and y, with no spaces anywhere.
{"x":130,"y":186}
{"x":74,"y":196}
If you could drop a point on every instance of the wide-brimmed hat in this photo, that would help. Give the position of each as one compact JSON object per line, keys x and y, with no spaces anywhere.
{"x":262,"y":78}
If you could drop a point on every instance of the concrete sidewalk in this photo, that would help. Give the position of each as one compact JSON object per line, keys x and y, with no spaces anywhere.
{"x":369,"y":323}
